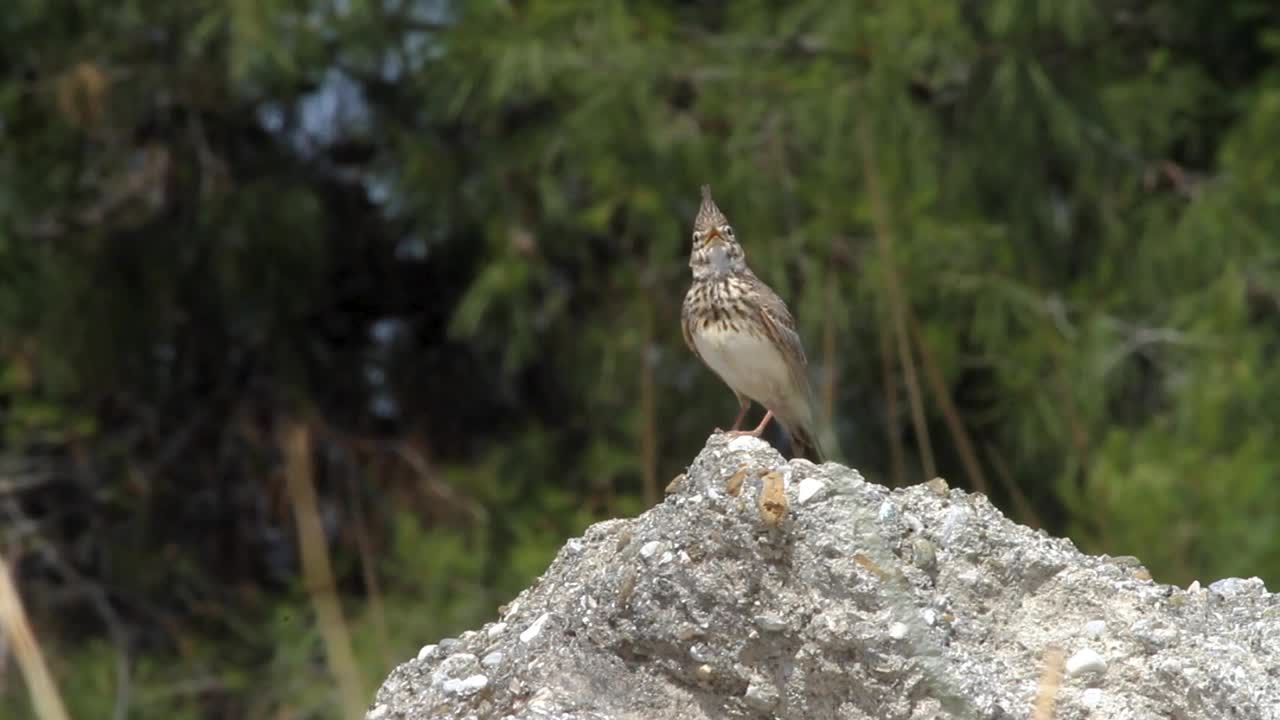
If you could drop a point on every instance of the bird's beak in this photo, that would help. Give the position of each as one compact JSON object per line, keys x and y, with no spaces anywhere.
{"x":712,"y":234}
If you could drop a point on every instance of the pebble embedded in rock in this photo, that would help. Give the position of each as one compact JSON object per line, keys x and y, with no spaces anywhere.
{"x":924,"y":554}
{"x":492,"y":659}
{"x":496,"y":629}
{"x":898,"y":630}
{"x":770,"y":622}
{"x":955,"y":523}
{"x":534,"y":629}
{"x":761,"y":696}
{"x":1095,"y":628}
{"x":1085,"y":661}
{"x":1228,"y":587}
{"x":1091,"y":697}
{"x":466,"y":686}
{"x":426,"y":652}
{"x":376,"y":713}
{"x":743,"y":443}
{"x":649,"y":549}
{"x":808,"y":488}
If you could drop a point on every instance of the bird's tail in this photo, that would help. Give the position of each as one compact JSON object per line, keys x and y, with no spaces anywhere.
{"x":804,"y":443}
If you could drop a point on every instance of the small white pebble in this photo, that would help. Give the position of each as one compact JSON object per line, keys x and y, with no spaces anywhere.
{"x":1091,"y":697}
{"x":746,"y":442}
{"x":469,"y":685}
{"x":1194,"y":586}
{"x":684,"y":557}
{"x":887,"y":511}
{"x":533,"y":630}
{"x":808,"y":488}
{"x":426,"y":652}
{"x":574,"y":546}
{"x":649,"y":548}
{"x":492,"y":659}
{"x":1085,"y":660}
{"x":898,"y":630}
{"x":496,"y":629}
{"x":667,"y":557}
{"x":1095,"y":628}
{"x":377,"y":712}
{"x":770,"y":622}
{"x":929,"y":616}
{"x":913,"y":522}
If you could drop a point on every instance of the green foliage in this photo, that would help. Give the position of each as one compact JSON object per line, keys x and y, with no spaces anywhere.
{"x":457,"y":237}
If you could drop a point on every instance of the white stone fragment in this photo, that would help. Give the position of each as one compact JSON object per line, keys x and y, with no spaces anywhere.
{"x":1091,"y":697}
{"x":492,"y":659}
{"x":1085,"y":661}
{"x":534,"y":629}
{"x":496,"y":629}
{"x":1228,"y":587}
{"x":574,"y":546}
{"x":808,"y":488}
{"x":887,"y":511}
{"x":929,"y":615}
{"x":1194,"y":586}
{"x":466,"y":686}
{"x":667,"y":557}
{"x":913,"y":522}
{"x":426,"y":651}
{"x":1095,"y":628}
{"x":898,"y":630}
{"x":743,"y":443}
{"x":377,"y":712}
{"x":648,"y":549}
{"x":770,"y":622}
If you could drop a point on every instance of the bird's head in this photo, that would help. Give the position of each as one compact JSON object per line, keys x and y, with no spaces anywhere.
{"x":715,"y":249}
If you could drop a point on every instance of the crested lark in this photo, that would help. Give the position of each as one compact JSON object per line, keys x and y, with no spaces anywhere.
{"x":741,"y":329}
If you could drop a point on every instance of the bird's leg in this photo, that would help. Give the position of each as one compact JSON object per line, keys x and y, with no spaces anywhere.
{"x":759,"y":428}
{"x":743,"y":405}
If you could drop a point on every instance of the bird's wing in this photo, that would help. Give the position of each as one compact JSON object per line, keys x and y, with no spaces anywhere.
{"x":686,"y":327}
{"x":781,"y":326}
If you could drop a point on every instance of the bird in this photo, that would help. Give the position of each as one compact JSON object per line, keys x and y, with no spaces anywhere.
{"x":740,"y":329}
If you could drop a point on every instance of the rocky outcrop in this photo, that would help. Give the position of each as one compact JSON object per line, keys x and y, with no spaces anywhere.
{"x":762,"y":588}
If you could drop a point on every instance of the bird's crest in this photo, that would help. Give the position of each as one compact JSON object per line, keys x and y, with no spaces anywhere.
{"x":709,"y":215}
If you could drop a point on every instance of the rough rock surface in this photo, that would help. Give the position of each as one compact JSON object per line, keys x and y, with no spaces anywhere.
{"x":838,"y":598}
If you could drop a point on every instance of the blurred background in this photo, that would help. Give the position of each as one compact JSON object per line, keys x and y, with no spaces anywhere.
{"x":323,"y":323}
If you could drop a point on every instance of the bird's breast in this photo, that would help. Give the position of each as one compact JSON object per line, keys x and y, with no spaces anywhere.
{"x":745,"y":358}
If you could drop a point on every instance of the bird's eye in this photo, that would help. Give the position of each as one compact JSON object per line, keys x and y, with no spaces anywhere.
{"x":727,"y":230}
{"x":697,"y":236}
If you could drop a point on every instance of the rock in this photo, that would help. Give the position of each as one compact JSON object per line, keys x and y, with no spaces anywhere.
{"x":841,"y":609}
{"x":1085,"y":661}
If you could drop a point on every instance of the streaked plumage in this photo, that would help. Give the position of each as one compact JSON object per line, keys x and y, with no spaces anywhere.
{"x":743,"y":331}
